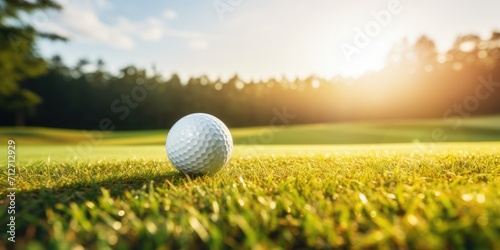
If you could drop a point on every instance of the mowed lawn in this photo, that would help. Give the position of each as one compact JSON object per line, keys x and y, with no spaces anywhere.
{"x":423,"y":196}
{"x":394,"y":131}
{"x":285,"y":188}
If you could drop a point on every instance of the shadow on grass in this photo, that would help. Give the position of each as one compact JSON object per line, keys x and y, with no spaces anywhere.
{"x":31,"y":206}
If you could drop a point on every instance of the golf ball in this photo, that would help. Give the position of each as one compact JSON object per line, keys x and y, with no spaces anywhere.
{"x":199,"y":144}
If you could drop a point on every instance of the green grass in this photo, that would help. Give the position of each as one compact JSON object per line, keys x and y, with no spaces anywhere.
{"x":403,"y":131}
{"x":294,"y":197}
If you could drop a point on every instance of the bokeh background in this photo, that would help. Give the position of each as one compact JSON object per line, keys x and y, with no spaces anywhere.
{"x":104,"y":65}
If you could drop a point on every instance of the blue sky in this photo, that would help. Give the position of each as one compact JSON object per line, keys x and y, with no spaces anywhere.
{"x":254,"y":38}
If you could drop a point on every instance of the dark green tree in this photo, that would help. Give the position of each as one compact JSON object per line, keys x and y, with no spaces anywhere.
{"x":19,"y":58}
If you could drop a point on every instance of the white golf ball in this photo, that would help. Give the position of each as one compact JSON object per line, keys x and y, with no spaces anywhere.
{"x":199,"y":144}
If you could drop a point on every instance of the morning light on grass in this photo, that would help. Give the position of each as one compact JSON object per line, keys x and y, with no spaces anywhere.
{"x":249,"y":124}
{"x":391,"y":195}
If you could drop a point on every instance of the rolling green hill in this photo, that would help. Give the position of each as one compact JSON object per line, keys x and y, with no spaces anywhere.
{"x":396,"y":131}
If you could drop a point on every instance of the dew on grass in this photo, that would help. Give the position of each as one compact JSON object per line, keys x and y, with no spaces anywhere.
{"x":242,"y":181}
{"x":90,"y":204}
{"x":363,"y":199}
{"x":264,"y":215}
{"x":117,"y":225}
{"x":199,"y":229}
{"x":261,"y":200}
{"x":112,"y":240}
{"x":480,"y":198}
{"x":272,"y":205}
{"x":467,"y":197}
{"x":151,"y":227}
{"x":215,"y":205}
{"x":412,"y":219}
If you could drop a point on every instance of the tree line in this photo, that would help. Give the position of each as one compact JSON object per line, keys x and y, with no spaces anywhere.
{"x":416,"y":82}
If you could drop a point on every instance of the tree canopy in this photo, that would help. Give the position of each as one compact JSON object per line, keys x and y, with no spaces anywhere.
{"x":19,"y":58}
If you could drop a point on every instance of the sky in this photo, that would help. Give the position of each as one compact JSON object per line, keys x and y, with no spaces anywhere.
{"x":256,"y":39}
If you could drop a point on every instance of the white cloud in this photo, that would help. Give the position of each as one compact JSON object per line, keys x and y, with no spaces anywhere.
{"x":153,"y":31}
{"x":104,"y":4}
{"x":170,"y":14}
{"x":196,"y":40}
{"x":80,"y":22}
{"x":198,"y":44}
{"x":150,"y":29}
{"x":186,"y":34}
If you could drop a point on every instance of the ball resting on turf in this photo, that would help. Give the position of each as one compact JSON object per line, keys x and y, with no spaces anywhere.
{"x":199,"y":144}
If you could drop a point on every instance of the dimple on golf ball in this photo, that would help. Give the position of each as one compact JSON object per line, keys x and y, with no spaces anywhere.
{"x":199,"y":144}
